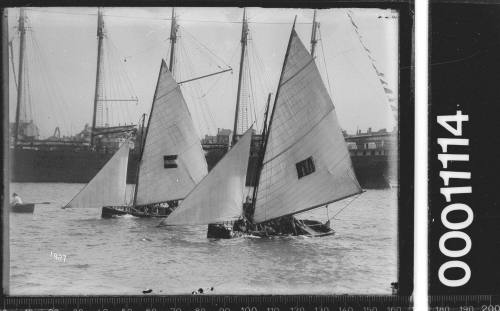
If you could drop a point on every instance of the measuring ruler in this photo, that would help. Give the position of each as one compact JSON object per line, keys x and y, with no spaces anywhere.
{"x":465,"y":303}
{"x":211,"y":302}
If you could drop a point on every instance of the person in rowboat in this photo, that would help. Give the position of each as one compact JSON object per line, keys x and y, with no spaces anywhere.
{"x":16,"y":200}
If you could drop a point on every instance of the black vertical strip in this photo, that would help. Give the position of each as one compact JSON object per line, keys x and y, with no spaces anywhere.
{"x":464,"y":71}
{"x":406,"y":150}
{"x":4,"y":166}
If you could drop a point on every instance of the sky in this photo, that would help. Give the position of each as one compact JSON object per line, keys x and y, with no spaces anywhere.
{"x":61,"y":56}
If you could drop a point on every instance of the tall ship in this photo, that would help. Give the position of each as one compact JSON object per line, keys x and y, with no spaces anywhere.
{"x":77,"y":159}
{"x":74,"y":159}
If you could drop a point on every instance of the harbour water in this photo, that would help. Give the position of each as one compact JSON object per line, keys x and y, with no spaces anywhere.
{"x":127,"y":255}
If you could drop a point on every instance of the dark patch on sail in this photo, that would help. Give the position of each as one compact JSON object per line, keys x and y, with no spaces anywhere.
{"x":170,"y":161}
{"x":305,"y":167}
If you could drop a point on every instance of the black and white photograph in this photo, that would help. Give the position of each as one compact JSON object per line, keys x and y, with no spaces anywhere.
{"x":206,"y":151}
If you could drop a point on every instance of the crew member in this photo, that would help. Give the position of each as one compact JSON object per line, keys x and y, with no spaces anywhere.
{"x":16,"y":200}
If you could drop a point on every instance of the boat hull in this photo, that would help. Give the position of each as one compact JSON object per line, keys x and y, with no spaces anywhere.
{"x":66,"y":166}
{"x":161,"y":212}
{"x":69,"y":166}
{"x":113,"y":211}
{"x":27,"y":208}
{"x":306,"y":227}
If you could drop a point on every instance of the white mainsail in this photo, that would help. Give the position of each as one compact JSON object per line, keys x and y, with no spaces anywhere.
{"x":173,"y":160}
{"x":108,"y":187}
{"x":306,"y":163}
{"x":218,"y":197}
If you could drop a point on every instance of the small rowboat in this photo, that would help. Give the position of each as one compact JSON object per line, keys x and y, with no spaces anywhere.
{"x":22,"y":208}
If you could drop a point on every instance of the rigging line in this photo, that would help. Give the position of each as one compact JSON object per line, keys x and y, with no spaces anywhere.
{"x":27,"y":95}
{"x":204,"y":76}
{"x":264,"y":84}
{"x":252,"y":93}
{"x":108,"y":83}
{"x":165,"y":19}
{"x":204,"y":46}
{"x":127,"y":83}
{"x":125,"y":75}
{"x":95,"y":14}
{"x":59,"y":12}
{"x":260,"y":65}
{"x":244,"y":100}
{"x":254,"y":63}
{"x":120,"y":86}
{"x":36,"y":58}
{"x":280,"y":23}
{"x":239,"y":22}
{"x":255,"y":117}
{"x":11,"y":45}
{"x":194,"y":101}
{"x":324,"y":62}
{"x":58,"y":98}
{"x":211,"y":87}
{"x":139,"y":17}
{"x":205,"y":111}
{"x":343,"y":208}
{"x":152,"y":47}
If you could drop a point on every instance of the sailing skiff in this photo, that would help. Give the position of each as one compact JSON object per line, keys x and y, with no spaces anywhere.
{"x":305,"y":164}
{"x":108,"y":188}
{"x":172,"y":161}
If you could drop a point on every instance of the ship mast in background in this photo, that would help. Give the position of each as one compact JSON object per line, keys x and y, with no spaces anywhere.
{"x":173,"y":40}
{"x":110,"y":88}
{"x":98,"y":82}
{"x":314,"y":40}
{"x":22,"y":45}
{"x":244,"y":37}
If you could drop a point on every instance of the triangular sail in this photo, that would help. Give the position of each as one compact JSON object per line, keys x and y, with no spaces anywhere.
{"x":306,"y":163}
{"x":108,"y":187}
{"x":173,"y":160}
{"x":218,"y":197}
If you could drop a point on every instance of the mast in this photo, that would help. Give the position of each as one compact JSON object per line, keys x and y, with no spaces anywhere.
{"x":313,"y":34}
{"x":266,"y":138}
{"x":173,"y":40}
{"x":22,"y":45}
{"x":100,"y":36}
{"x":261,"y":152}
{"x":264,"y":130}
{"x":144,"y":135}
{"x":11,"y":48}
{"x":244,"y":33}
{"x":142,"y":129}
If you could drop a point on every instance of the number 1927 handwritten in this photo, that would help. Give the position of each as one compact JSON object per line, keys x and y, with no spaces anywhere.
{"x":58,"y":257}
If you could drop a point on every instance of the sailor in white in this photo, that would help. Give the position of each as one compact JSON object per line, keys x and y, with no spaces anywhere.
{"x":16,"y":200}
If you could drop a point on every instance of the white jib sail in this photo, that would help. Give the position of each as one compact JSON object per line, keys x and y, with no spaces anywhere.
{"x":173,"y":160}
{"x":306,"y":163}
{"x":219,"y":196}
{"x":108,"y":187}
